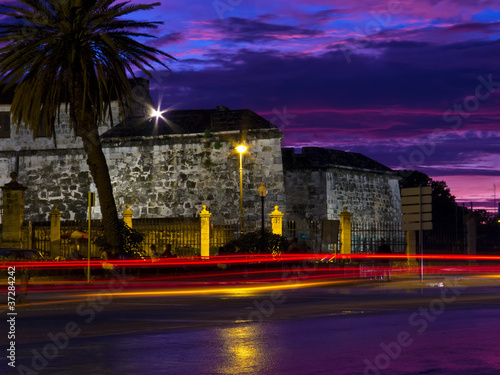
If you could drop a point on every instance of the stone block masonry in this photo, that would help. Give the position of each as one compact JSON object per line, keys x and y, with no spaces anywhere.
{"x":161,"y":176}
{"x":175,"y":166}
{"x":373,"y":197}
{"x":176,"y":175}
{"x":319,"y":183}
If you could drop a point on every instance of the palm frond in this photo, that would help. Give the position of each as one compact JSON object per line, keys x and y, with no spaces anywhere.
{"x":77,"y":53}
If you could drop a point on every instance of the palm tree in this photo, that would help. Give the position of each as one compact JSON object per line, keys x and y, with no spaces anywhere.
{"x":74,"y":56}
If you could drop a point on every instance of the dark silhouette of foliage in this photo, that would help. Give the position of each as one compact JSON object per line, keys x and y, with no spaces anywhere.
{"x":255,"y":243}
{"x":130,"y":242}
{"x":483,"y":217}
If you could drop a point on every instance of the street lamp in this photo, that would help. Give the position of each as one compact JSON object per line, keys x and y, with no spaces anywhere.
{"x":262,"y":190}
{"x":241,"y":149}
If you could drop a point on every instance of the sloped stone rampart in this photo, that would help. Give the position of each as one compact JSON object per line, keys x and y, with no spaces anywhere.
{"x":322,"y":193}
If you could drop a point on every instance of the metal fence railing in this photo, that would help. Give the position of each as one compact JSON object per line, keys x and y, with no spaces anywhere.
{"x":367,"y":237}
{"x":488,"y":240}
{"x":184,"y":237}
{"x":182,"y":234}
{"x":309,"y":233}
{"x":445,"y":239}
{"x":222,"y":232}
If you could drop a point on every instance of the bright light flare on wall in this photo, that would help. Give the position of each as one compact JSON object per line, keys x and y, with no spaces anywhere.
{"x":241,"y":148}
{"x":157,"y":114}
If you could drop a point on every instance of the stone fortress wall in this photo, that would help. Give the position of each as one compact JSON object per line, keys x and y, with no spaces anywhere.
{"x":161,"y":176}
{"x":174,"y":176}
{"x":373,"y":197}
{"x":319,"y":183}
{"x":179,"y":169}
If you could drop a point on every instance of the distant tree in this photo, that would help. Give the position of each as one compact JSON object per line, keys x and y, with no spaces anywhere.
{"x":78,"y":53}
{"x":485,"y":218}
{"x":413,"y":179}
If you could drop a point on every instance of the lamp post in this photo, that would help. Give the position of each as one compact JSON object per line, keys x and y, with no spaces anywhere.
{"x":241,"y":149}
{"x":262,"y":190}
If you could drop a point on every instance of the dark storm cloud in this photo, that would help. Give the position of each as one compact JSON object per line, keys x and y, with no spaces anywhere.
{"x":486,"y":28}
{"x":407,"y":78}
{"x":168,"y":39}
{"x":388,"y":106}
{"x":450,"y":154}
{"x":247,"y":30}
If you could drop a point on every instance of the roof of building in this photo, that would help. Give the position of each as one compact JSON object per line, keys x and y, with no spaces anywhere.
{"x":190,"y":122}
{"x":317,"y":158}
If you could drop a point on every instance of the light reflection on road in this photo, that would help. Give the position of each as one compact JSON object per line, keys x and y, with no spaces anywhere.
{"x":243,"y":351}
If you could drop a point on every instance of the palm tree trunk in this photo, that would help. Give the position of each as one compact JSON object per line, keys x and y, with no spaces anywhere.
{"x":87,"y":129}
{"x":100,"y":174}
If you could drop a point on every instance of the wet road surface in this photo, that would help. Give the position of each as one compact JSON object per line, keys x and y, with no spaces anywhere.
{"x":342,"y":330}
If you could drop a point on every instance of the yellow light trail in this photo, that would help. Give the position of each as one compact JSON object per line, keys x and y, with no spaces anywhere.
{"x":226,"y":290}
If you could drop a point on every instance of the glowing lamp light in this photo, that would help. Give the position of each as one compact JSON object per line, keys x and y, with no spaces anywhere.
{"x":241,"y":148}
{"x":156,"y":113}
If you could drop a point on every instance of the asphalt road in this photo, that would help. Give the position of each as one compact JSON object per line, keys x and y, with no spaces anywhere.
{"x":379,"y":328}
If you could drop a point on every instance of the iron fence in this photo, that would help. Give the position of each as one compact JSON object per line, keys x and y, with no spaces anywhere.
{"x":40,"y":237}
{"x":307,"y":232}
{"x":445,"y":239}
{"x":367,"y":237}
{"x":182,"y":234}
{"x":222,"y":232}
{"x":184,"y":237}
{"x":488,"y":240}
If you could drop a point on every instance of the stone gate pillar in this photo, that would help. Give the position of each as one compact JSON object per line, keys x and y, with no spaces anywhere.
{"x":345,"y":228}
{"x":13,"y":212}
{"x":55,"y":232}
{"x":276,"y":221}
{"x":205,"y":232}
{"x":127,"y":216}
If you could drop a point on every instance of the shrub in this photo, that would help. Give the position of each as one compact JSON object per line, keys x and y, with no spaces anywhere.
{"x":130,"y":242}
{"x":255,"y":243}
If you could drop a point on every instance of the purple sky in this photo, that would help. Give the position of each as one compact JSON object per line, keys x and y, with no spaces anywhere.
{"x":411,"y":84}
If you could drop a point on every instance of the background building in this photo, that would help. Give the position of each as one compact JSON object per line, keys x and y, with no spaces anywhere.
{"x":320,"y":182}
